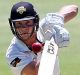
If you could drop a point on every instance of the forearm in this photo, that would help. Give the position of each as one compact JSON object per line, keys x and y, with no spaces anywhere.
{"x":68,"y":12}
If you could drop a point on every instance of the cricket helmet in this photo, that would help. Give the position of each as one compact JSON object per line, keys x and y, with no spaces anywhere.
{"x":23,"y":11}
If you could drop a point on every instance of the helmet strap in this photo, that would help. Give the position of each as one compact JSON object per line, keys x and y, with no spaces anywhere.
{"x":12,"y":26}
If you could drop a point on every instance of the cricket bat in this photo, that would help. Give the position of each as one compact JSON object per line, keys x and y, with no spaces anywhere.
{"x":48,"y":58}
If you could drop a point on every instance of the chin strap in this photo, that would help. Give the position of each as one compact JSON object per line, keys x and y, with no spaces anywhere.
{"x":11,"y":26}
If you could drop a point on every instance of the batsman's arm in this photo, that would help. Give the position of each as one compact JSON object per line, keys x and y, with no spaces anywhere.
{"x":68,"y":12}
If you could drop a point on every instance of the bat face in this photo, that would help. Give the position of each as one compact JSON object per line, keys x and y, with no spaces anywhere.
{"x":48,"y":58}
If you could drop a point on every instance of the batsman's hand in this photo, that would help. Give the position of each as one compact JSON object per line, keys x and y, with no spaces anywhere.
{"x":62,"y":37}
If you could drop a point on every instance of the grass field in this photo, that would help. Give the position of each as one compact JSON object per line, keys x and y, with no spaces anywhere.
{"x":69,"y":57}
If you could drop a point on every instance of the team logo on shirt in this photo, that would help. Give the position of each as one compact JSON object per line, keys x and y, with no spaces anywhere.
{"x":15,"y":62}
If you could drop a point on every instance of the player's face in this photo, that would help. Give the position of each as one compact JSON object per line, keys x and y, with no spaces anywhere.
{"x":24,"y":28}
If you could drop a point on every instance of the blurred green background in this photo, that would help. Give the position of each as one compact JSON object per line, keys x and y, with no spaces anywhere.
{"x":69,"y":57}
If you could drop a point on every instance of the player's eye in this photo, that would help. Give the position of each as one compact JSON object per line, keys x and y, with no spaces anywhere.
{"x":24,"y":24}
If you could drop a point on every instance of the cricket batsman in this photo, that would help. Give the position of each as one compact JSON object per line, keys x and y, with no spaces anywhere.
{"x":30,"y":34}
